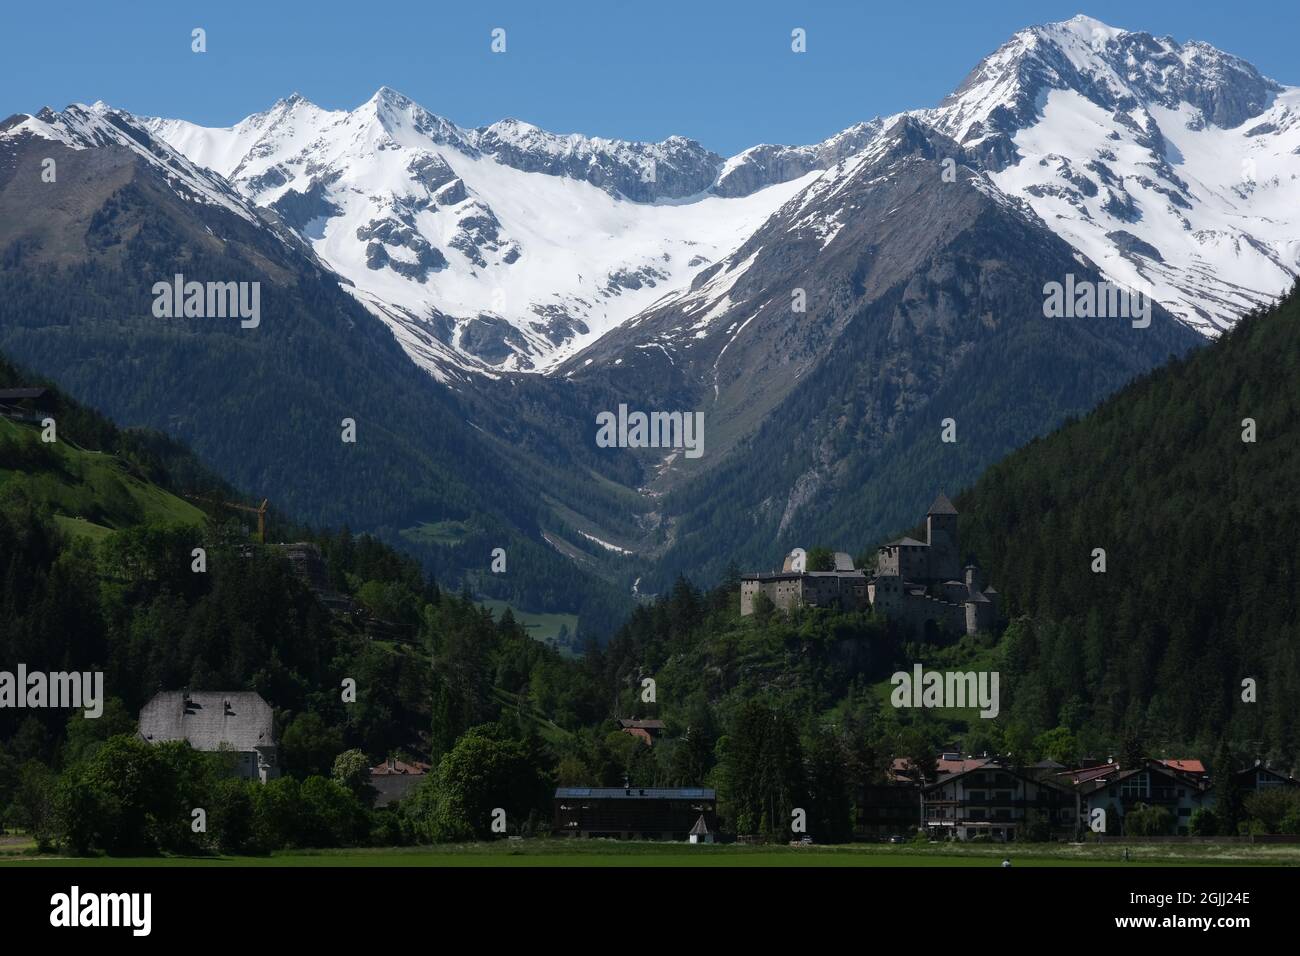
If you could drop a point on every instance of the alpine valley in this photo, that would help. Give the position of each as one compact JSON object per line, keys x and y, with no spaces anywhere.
{"x":474,"y":298}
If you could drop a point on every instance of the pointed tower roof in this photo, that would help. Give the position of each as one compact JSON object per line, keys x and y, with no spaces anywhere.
{"x":942,"y":506}
{"x":701,"y":828}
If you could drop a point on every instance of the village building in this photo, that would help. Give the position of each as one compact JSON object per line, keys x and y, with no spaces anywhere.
{"x":647,"y":731}
{"x":1117,"y":791}
{"x":26,"y":403}
{"x":239,"y":722}
{"x":393,"y":780}
{"x":633,"y":813}
{"x":700,"y":833}
{"x":989,"y":797}
{"x":1263,"y":777}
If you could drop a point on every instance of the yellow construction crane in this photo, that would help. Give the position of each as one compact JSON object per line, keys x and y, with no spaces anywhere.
{"x":260,"y":511}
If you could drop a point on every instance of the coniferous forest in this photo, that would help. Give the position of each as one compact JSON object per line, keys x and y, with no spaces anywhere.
{"x":775,"y":711}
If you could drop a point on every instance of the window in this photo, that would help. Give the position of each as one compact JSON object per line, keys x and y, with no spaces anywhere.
{"x":1184,"y":811}
{"x":1137,"y":785}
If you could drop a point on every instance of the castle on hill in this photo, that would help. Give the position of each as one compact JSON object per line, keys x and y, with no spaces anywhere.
{"x":915,"y":582}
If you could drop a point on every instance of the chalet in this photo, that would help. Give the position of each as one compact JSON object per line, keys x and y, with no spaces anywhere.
{"x":633,"y":813}
{"x":647,"y":731}
{"x":988,"y":797}
{"x":1262,"y":777}
{"x":1154,"y":783}
{"x":26,"y":403}
{"x":240,"y":722}
{"x":394,"y":780}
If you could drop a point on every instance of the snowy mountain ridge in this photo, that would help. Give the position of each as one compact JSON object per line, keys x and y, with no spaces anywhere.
{"x":1174,"y":164}
{"x":510,"y":248}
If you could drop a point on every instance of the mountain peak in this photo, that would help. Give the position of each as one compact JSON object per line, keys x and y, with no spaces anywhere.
{"x":292,"y":100}
{"x":1118,"y":70}
{"x":1085,"y":26}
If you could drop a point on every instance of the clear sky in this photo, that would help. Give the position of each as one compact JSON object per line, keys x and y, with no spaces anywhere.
{"x":719,"y":71}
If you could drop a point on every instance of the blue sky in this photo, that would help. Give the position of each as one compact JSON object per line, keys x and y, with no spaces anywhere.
{"x":719,"y":72}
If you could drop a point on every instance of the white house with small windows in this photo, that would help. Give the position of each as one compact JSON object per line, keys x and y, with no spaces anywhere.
{"x":237,"y":721}
{"x":1117,"y":791}
{"x":990,"y":798}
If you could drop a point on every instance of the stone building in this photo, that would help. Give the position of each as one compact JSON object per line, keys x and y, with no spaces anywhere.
{"x":212,"y":721}
{"x":794,"y":586}
{"x":920,"y":583}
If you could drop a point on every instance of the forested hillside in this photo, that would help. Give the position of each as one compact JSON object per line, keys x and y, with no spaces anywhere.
{"x":1199,"y":528}
{"x":263,"y":406}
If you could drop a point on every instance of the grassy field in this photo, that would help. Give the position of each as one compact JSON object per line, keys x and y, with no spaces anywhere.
{"x":92,"y":494}
{"x":443,"y":533}
{"x":540,"y":626}
{"x":545,"y":852}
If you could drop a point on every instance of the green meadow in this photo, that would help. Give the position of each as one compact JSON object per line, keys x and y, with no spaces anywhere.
{"x":545,"y":852}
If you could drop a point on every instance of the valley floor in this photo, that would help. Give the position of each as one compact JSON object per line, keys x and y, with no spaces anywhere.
{"x":544,"y":852}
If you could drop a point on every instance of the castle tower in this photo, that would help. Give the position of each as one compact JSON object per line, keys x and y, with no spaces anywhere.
{"x":941,"y":536}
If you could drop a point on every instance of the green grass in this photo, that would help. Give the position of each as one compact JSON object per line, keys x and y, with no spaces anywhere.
{"x":547,"y":852}
{"x":91,"y":494}
{"x":540,"y":626}
{"x":81,"y":528}
{"x":442,"y":533}
{"x":550,"y":731}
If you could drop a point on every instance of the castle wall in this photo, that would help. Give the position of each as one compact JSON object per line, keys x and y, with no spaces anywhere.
{"x":812,"y":590}
{"x":941,"y":533}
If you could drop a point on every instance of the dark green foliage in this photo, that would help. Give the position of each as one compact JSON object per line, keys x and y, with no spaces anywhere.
{"x":1203,"y":823}
{"x":1200,"y":590}
{"x":264,"y":406}
{"x":821,"y":559}
{"x":1145,"y":820}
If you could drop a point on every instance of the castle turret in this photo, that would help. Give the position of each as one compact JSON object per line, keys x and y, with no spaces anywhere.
{"x":941,"y":535}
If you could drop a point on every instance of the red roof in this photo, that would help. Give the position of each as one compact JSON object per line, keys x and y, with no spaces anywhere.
{"x":903,"y":765}
{"x":650,"y":724}
{"x":1089,"y":773}
{"x":391,"y":768}
{"x":1187,"y":766}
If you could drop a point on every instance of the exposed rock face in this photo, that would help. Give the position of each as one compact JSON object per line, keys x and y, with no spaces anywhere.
{"x":845,"y":328}
{"x":385,"y":234}
{"x":762,"y":166}
{"x":643,"y":172}
{"x":1114,"y":139}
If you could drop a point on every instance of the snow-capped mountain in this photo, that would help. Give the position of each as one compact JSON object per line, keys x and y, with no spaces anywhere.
{"x":501,"y":248}
{"x":509,"y":248}
{"x":1172,"y":163}
{"x":92,"y":127}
